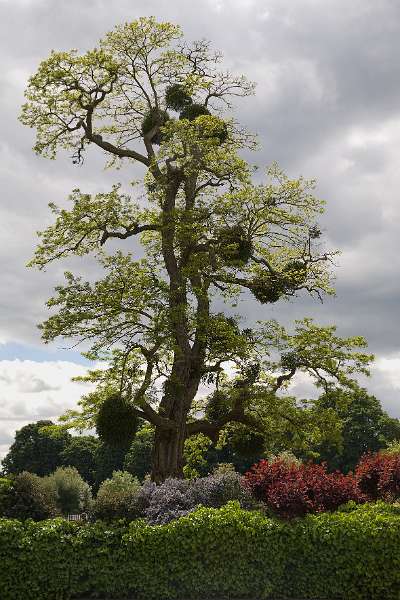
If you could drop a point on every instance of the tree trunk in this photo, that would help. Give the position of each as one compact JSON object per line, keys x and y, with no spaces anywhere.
{"x":168,"y":453}
{"x":169,"y":444}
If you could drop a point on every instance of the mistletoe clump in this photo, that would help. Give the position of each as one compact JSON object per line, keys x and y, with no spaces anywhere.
{"x":270,"y":288}
{"x":116,"y":421}
{"x":192,"y":111}
{"x":155,"y":119}
{"x":267,"y":289}
{"x":177,"y":98}
{"x":234,"y":246}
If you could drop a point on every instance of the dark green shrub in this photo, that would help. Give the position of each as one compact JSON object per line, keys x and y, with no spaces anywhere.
{"x":116,"y":422}
{"x":30,"y":498}
{"x":5,"y":490}
{"x":246,"y":442}
{"x":107,"y":460}
{"x":210,"y":553}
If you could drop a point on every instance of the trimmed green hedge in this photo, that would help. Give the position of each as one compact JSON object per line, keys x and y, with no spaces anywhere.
{"x":224,"y":553}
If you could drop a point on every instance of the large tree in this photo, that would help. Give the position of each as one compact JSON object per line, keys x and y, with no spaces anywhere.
{"x":207,"y":232}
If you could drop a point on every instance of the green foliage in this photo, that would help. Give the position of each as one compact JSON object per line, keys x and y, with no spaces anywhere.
{"x":116,"y":421}
{"x":392,"y":448}
{"x":218,"y":405}
{"x":366,"y":427}
{"x":5,"y":490}
{"x":36,"y":450}
{"x":108,"y":459}
{"x":210,"y":128}
{"x":30,"y":498}
{"x":351,"y":555}
{"x":246,"y":442}
{"x":329,"y":359}
{"x":138,"y":458}
{"x":118,"y":498}
{"x":81,"y":454}
{"x":73,"y":494}
{"x":195,"y":453}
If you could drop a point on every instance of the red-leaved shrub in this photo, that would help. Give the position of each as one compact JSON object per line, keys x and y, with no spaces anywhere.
{"x":378,"y":476}
{"x":293,"y":490}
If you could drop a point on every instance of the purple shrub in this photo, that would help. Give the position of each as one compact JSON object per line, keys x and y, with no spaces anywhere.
{"x":177,"y":497}
{"x":172,"y":499}
{"x":216,"y":490}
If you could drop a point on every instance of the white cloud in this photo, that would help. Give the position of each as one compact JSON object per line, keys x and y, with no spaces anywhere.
{"x":384,"y":383}
{"x":30,"y":391}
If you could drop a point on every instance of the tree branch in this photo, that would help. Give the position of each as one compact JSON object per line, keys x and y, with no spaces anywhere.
{"x":134,"y":230}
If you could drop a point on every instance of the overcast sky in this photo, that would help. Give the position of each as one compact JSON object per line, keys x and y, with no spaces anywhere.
{"x":327,"y":106}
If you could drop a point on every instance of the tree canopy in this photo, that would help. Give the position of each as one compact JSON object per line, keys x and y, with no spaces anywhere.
{"x":207,"y":231}
{"x":36,"y":450}
{"x":365,"y":427}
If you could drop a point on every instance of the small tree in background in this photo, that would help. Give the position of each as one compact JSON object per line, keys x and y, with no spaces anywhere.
{"x":73,"y":494}
{"x":36,"y":449}
{"x":366,"y":427}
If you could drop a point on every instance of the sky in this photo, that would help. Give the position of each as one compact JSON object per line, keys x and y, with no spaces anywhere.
{"x":327,"y":106}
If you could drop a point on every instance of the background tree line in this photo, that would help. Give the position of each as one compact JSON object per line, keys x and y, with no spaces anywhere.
{"x":361,"y":425}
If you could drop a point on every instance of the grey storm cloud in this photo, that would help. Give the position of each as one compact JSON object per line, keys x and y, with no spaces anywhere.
{"x":327,"y":105}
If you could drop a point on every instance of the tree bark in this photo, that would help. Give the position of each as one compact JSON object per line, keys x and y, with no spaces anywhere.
{"x":168,"y":449}
{"x":168,"y":460}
